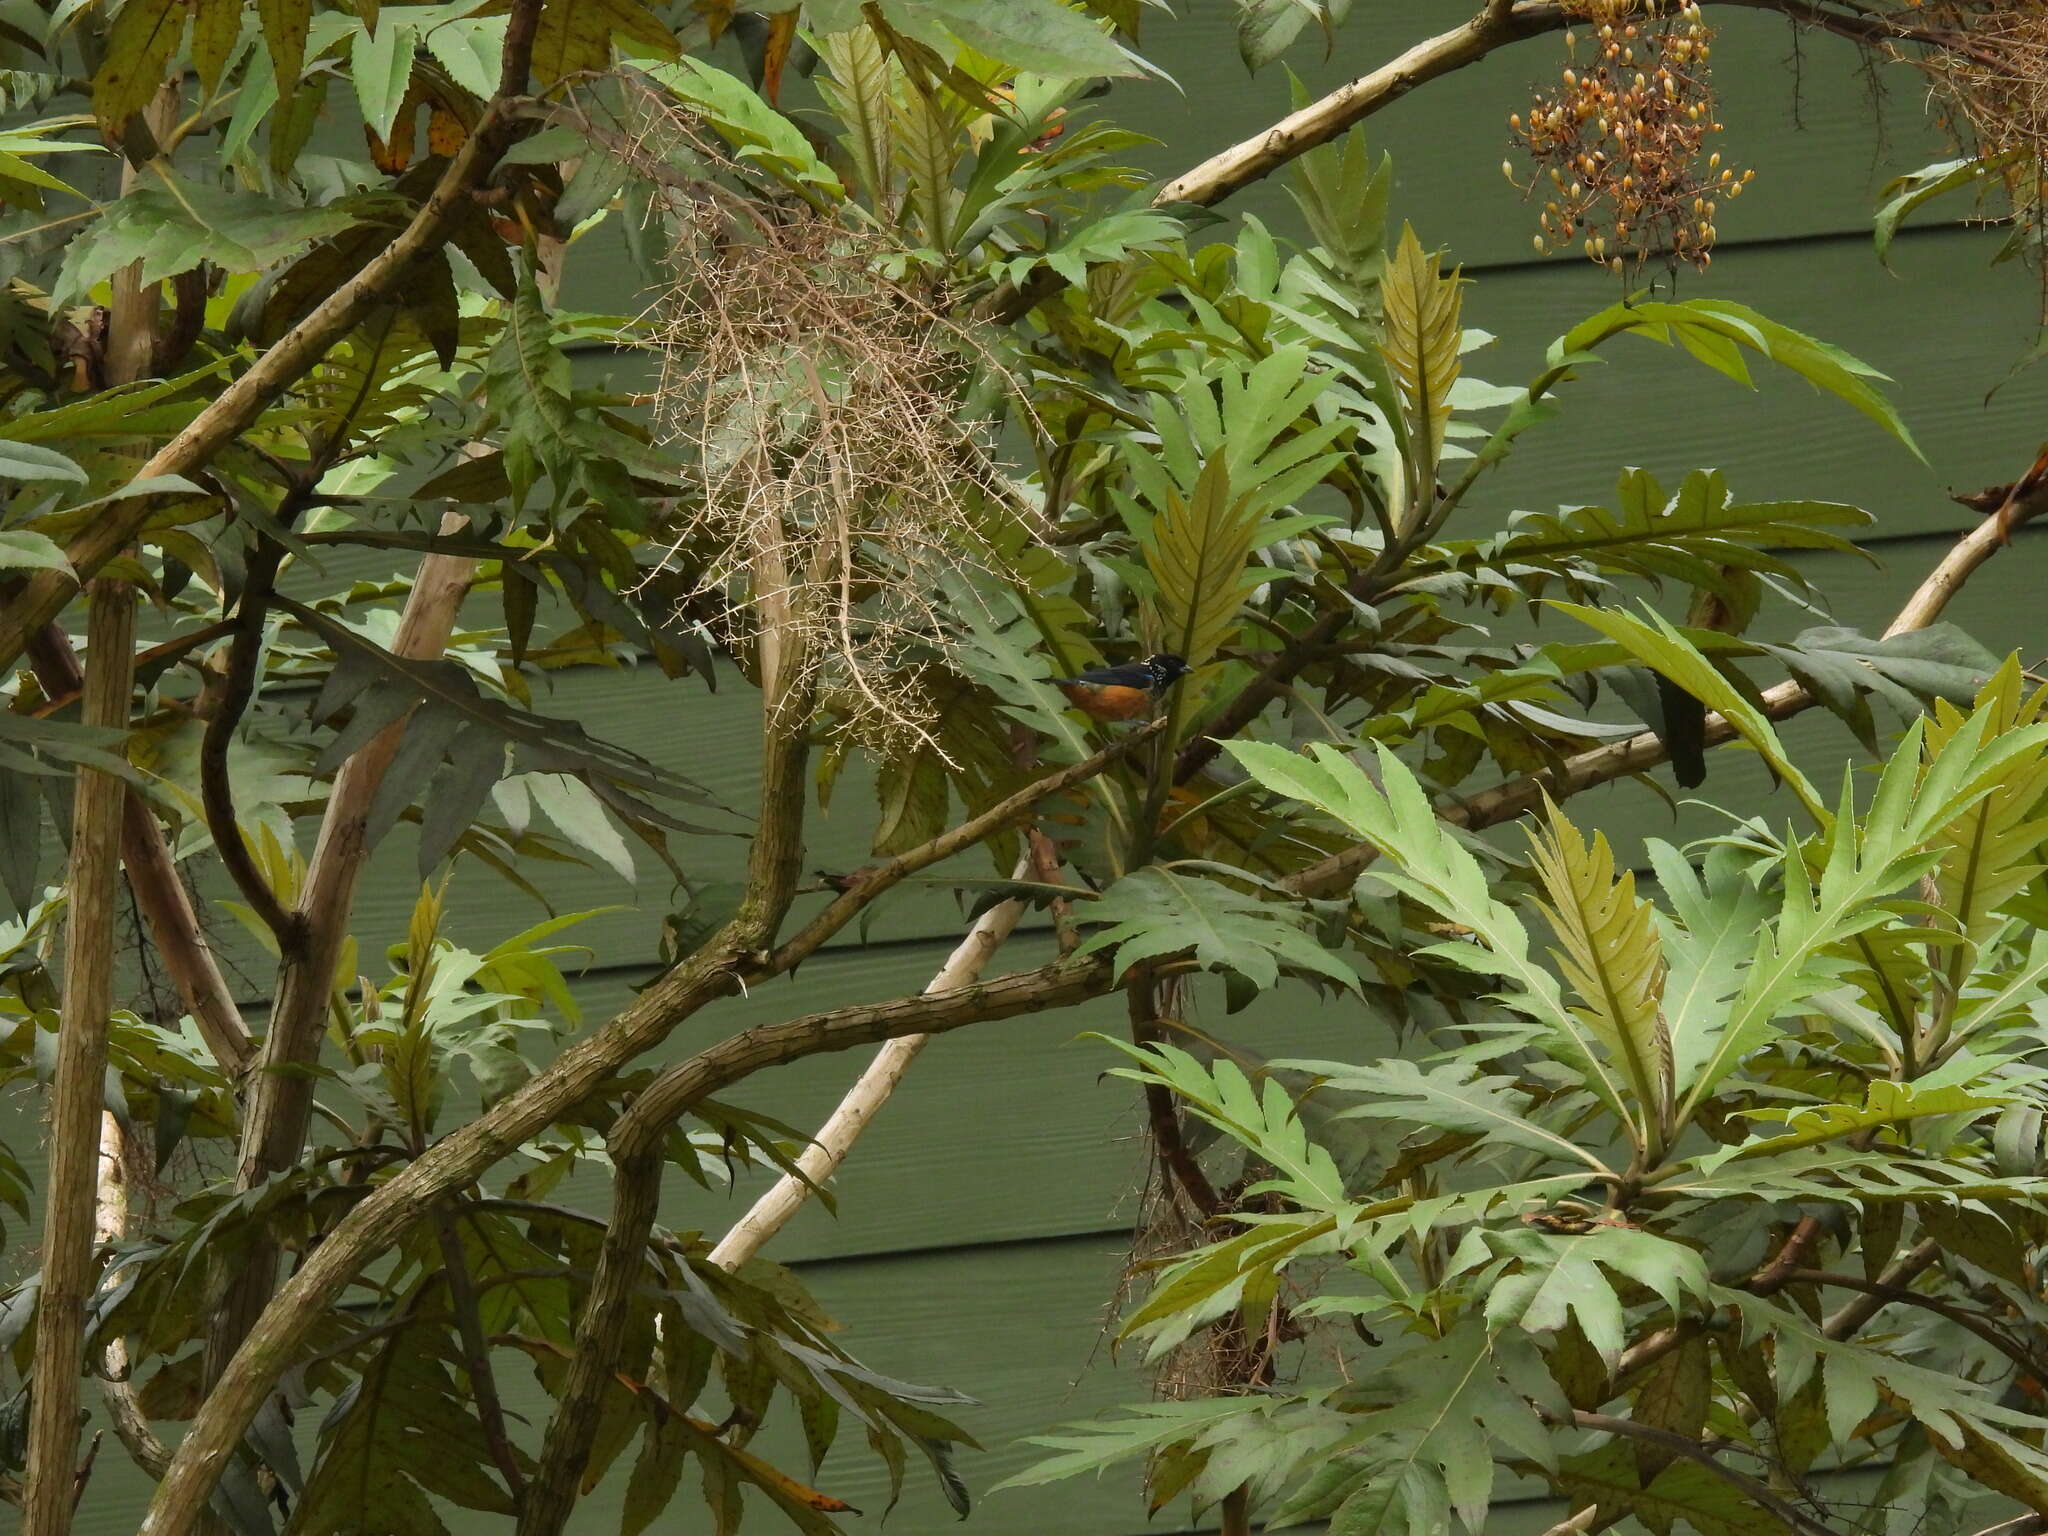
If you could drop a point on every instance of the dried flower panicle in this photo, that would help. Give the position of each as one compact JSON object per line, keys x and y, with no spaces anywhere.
{"x":1620,"y":147}
{"x":818,"y":404}
{"x":1991,"y":94}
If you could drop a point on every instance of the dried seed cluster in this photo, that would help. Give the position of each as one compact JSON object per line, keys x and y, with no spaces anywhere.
{"x":816,"y":403}
{"x":1991,"y":95}
{"x":1620,"y":146}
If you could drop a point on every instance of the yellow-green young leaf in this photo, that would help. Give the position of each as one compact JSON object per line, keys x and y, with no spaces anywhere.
{"x":285,"y":25}
{"x":215,"y":26}
{"x":926,"y":132}
{"x":139,"y":48}
{"x":1612,"y":957}
{"x":1659,"y":645}
{"x":860,"y":83}
{"x":1196,"y":550}
{"x":1885,"y":1103}
{"x":1992,"y":851}
{"x":1423,"y":334}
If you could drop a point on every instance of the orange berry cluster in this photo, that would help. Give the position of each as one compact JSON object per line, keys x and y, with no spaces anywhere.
{"x":1620,"y":144}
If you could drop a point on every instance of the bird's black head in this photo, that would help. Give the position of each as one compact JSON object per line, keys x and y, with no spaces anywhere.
{"x":1166,"y":669}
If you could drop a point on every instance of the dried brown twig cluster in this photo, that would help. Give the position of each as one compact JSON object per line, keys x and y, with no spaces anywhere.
{"x":1993,"y":95}
{"x":842,"y":486}
{"x":1621,"y":143}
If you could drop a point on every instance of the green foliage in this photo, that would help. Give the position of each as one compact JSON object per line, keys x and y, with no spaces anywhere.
{"x":1726,"y":1040}
{"x":1266,"y":456}
{"x":1163,"y":909}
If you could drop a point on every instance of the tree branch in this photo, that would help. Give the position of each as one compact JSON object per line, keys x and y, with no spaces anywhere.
{"x":600,"y":1327}
{"x":2022,"y":1358}
{"x":77,"y":1086}
{"x":1233,"y":169}
{"x":158,"y":889}
{"x":280,"y":1098}
{"x":117,"y":1394}
{"x":871,"y":883}
{"x":276,"y":369}
{"x":864,"y":1100}
{"x":1177,"y":1163}
{"x":216,"y":792}
{"x":715,"y":971}
{"x":476,"y":1352}
{"x":1642,"y":752}
{"x":1496,"y":26}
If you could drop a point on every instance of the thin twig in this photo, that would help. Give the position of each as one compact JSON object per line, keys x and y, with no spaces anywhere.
{"x":1693,"y":1451}
{"x":274,"y":371}
{"x":216,"y":790}
{"x":476,"y":1352}
{"x":870,"y":883}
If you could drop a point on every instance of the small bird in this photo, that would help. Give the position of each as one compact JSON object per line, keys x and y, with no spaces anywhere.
{"x":1125,"y":692}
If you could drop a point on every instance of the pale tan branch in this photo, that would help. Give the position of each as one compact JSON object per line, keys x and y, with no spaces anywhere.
{"x":280,"y":1099}
{"x":1500,"y":23}
{"x":110,"y":1224}
{"x":1294,"y":135}
{"x":864,"y":1100}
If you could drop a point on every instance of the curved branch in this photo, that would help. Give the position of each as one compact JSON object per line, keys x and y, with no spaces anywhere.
{"x":274,"y":371}
{"x":153,"y":877}
{"x":130,"y":1424}
{"x":1250,"y":160}
{"x":864,"y":1100}
{"x":216,"y":792}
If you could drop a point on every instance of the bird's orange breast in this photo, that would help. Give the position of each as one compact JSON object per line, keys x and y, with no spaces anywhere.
{"x":1107,"y":701}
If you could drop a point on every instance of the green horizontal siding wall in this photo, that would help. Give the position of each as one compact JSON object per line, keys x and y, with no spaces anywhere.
{"x":978,"y":1238}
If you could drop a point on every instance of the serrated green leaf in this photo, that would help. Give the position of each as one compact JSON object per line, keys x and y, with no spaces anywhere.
{"x":1196,"y":550}
{"x":1658,"y":643}
{"x":381,"y":65}
{"x":1038,"y":35}
{"x":1612,"y":958}
{"x":1903,"y":195}
{"x":140,"y":43}
{"x":1160,"y":910}
{"x":1423,"y":332}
